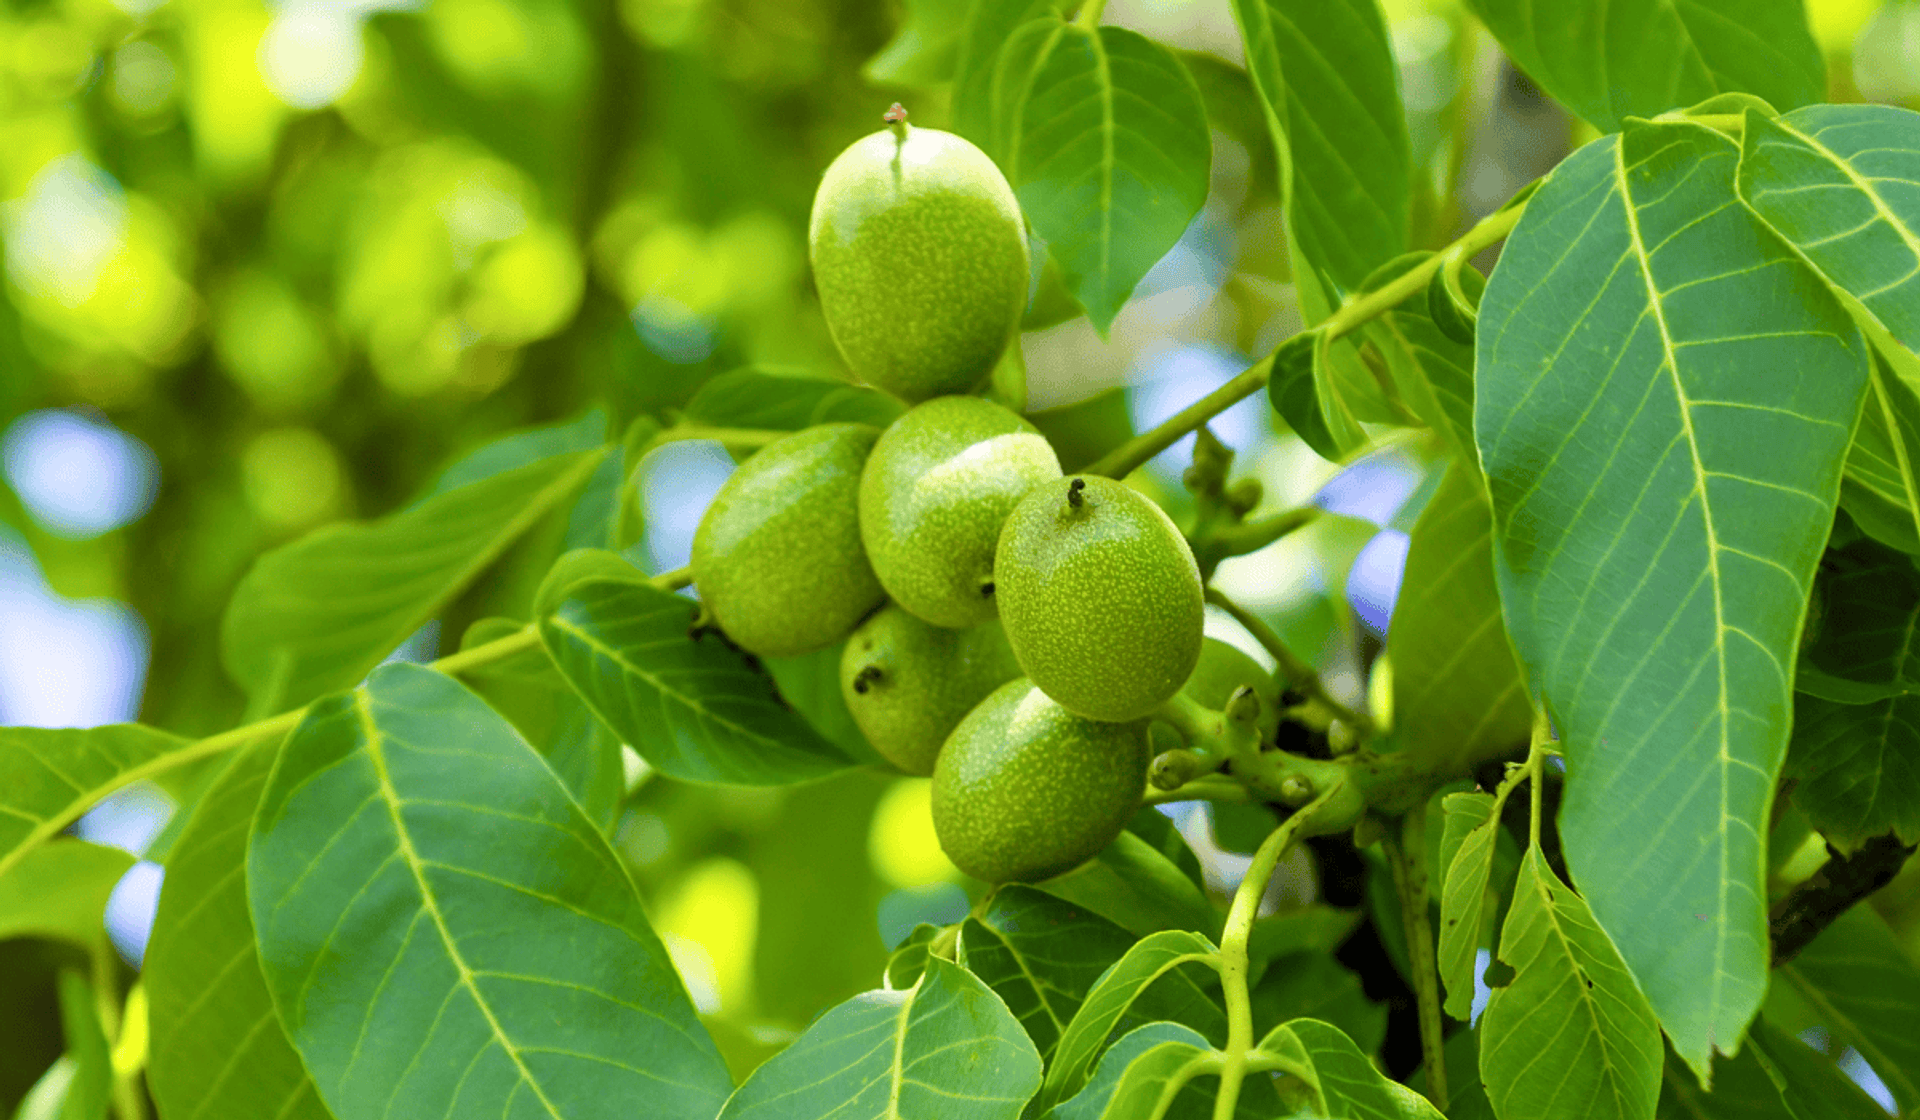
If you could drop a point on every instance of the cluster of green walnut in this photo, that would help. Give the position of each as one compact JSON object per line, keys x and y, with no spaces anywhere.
{"x":1011,"y":631}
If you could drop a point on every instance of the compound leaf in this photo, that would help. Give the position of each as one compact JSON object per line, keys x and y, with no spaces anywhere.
{"x":517,"y":976}
{"x":1665,"y":399}
{"x":945,"y":1047}
{"x":217,"y":1047}
{"x":1637,"y":58}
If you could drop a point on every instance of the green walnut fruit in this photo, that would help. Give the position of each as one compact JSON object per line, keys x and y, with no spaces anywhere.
{"x":1100,"y":597}
{"x":935,"y":492}
{"x":1025,"y":789}
{"x":777,"y":558}
{"x":908,"y":682}
{"x":920,"y":257}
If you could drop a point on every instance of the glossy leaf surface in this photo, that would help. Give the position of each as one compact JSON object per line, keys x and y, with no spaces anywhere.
{"x":1666,"y":395}
{"x":946,"y":1047}
{"x":1341,"y":1082}
{"x":1150,"y":958}
{"x":1608,"y":62}
{"x":1041,"y":955}
{"x":517,"y":976}
{"x":218,"y":1049}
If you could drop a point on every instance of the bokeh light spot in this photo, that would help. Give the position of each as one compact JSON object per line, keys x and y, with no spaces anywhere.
{"x":901,"y":841}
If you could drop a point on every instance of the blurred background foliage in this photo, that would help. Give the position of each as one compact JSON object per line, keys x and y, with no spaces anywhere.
{"x":272,"y":264}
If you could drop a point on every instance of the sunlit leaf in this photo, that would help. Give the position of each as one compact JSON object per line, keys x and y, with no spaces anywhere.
{"x":1610,"y":61}
{"x":517,"y":976}
{"x":1340,"y":1081}
{"x":1108,"y":151}
{"x":1866,"y":990}
{"x":217,"y":1048}
{"x":1571,"y":1031}
{"x":316,"y":614}
{"x":1434,"y":373}
{"x":1665,"y":398}
{"x":946,"y":1047}
{"x":1145,"y":962}
{"x":48,"y":777}
{"x":59,"y":890}
{"x":695,"y":708}
{"x":1325,"y":73}
{"x":976,"y":65}
{"x":1458,"y":697}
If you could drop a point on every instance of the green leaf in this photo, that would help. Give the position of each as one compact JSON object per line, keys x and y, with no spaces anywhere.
{"x":1882,"y":484}
{"x":752,"y":398}
{"x":1636,"y":58}
{"x":47,"y":1099}
{"x":1134,"y":1073}
{"x":1108,"y":151}
{"x":810,"y":683}
{"x":1858,"y":768}
{"x":1149,"y":959}
{"x":1298,"y":387}
{"x":1841,"y":183}
{"x":908,"y":960}
{"x":1665,"y":397}
{"x":315,"y":615}
{"x":1326,"y":77}
{"x":976,"y":66}
{"x":48,"y":777}
{"x":527,"y":689}
{"x":1458,"y":697}
{"x":1810,"y":1085}
{"x":92,"y":1082}
{"x":1838,"y":183}
{"x":59,"y":890}
{"x":518,"y":974}
{"x":1314,"y":985}
{"x":217,"y":1049}
{"x":1865,"y":988}
{"x":520,"y":449}
{"x":1741,"y":1090}
{"x":1467,"y":1097}
{"x":696,"y":709}
{"x":922,"y":50}
{"x":1433,"y":372}
{"x":1341,"y":1083}
{"x":946,"y":1047}
{"x":1473,"y":823}
{"x":1571,"y":1026}
{"x":1316,"y":926}
{"x":1041,"y":956}
{"x":1132,"y":884}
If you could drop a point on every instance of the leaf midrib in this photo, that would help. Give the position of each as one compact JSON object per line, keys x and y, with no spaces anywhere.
{"x":1671,"y":365}
{"x":376,"y":752}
